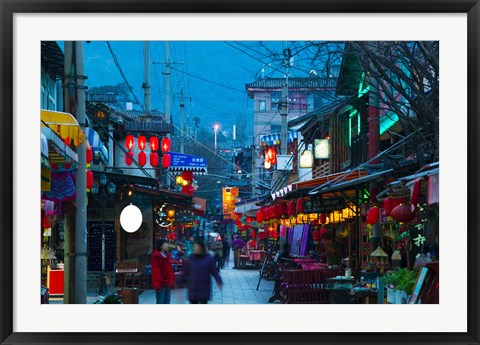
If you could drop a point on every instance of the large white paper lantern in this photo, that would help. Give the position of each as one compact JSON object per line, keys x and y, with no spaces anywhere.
{"x":131,"y":218}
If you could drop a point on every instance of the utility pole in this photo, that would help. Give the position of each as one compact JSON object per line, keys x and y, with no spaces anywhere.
{"x":68,"y":280}
{"x":182,"y":114}
{"x":252,"y":176}
{"x":284,"y":115}
{"x":146,"y":84}
{"x":80,"y":186}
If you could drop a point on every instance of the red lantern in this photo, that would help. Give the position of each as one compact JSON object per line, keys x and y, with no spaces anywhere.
{"x":129,"y":141}
{"x":188,"y":189}
{"x":271,"y":155}
{"x":260,"y":216}
{"x":403,"y":213}
{"x":323,"y":218}
{"x":238,"y":223}
{"x":316,"y":235}
{"x":416,"y":192}
{"x":166,"y":160}
{"x":397,"y":202}
{"x":372,"y":215}
{"x":153,"y":143}
{"x":291,"y":208}
{"x":274,"y":234}
{"x":323,"y":231}
{"x":89,"y":177}
{"x":45,"y":222}
{"x":388,"y":204}
{"x":129,"y":158}
{"x":142,"y":142}
{"x":275,"y":212}
{"x":89,"y":156}
{"x":154,"y":159}
{"x":142,"y":158}
{"x":262,"y":235}
{"x":253,"y":244}
{"x":254,"y":234}
{"x":166,"y":145}
{"x":187,"y":176}
{"x":300,"y":205}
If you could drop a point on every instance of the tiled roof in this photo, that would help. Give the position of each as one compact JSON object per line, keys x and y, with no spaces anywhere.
{"x":293,"y":83}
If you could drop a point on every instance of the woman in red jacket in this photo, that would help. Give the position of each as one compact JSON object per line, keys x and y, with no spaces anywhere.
{"x":162,"y":272}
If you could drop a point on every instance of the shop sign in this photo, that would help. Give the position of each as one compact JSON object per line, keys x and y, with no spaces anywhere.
{"x":319,"y":205}
{"x":322,"y":149}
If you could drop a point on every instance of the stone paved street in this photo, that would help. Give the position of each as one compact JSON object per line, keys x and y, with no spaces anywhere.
{"x":239,"y":287}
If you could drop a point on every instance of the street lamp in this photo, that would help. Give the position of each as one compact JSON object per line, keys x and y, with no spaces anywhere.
{"x":103,"y":192}
{"x":216,"y":127}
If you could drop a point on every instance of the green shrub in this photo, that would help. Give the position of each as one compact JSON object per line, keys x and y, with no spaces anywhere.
{"x":112,"y":298}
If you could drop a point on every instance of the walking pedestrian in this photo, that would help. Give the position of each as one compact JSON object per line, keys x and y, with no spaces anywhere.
{"x":197,"y":271}
{"x":226,"y":250}
{"x":162,"y":272}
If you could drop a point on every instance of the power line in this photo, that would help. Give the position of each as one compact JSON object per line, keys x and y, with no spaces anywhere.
{"x":208,"y":81}
{"x":130,"y":88}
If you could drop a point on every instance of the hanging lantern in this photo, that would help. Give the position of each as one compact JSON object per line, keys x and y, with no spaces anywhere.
{"x":416,"y":192}
{"x":166,"y":160}
{"x":187,"y":175}
{"x":154,"y":159}
{"x":388,"y":205}
{"x":89,"y":177}
{"x":267,"y":165}
{"x":166,"y":145}
{"x":316,"y":235}
{"x":237,"y":222}
{"x":271,"y":155}
{"x":188,"y":190}
{"x":153,"y":143}
{"x":262,"y":235}
{"x":322,"y":232}
{"x":299,"y":205}
{"x":142,"y":158}
{"x":254,"y":234}
{"x":260,"y":216}
{"x":274,"y":234}
{"x":283,"y":212}
{"x":142,"y":142}
{"x":129,"y":142}
{"x":398,"y":201}
{"x":323,"y":218}
{"x":403,"y":213}
{"x":372,"y":215}
{"x":89,"y":155}
{"x":275,"y":212}
{"x":129,"y":158}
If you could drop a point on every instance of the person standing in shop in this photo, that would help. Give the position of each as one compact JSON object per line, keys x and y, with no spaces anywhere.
{"x":197,"y":272}
{"x":163,"y":279}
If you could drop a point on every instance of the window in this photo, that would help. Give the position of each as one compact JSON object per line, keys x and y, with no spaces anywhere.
{"x":275,"y":99}
{"x":262,"y":105}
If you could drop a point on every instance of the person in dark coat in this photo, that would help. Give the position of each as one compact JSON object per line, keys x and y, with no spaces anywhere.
{"x":197,"y":271}
{"x":226,"y":250}
{"x":163,"y":279}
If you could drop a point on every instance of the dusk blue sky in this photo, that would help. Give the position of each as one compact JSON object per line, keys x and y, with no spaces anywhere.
{"x":216,"y":61}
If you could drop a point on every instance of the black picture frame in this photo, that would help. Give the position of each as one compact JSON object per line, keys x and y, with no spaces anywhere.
{"x":10,"y":7}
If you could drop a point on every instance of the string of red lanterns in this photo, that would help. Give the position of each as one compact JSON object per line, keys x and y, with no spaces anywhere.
{"x":154,"y":146}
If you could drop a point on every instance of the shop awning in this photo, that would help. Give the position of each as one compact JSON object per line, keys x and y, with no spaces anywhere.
{"x":64,"y":124}
{"x":59,"y":154}
{"x":342,"y":184}
{"x":275,"y":139}
{"x":248,"y":205}
{"x":181,"y":162}
{"x":100,"y":152}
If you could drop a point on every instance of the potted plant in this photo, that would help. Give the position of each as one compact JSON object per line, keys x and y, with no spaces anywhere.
{"x":390,"y":280}
{"x":405,"y":284}
{"x":111,"y":298}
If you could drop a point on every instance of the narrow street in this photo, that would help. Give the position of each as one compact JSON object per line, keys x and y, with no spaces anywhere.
{"x":239,"y":287}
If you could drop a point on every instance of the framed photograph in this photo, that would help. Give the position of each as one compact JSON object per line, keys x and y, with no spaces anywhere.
{"x":37,"y":38}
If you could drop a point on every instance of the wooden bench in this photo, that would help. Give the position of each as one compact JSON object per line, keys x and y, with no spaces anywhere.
{"x":307,"y":286}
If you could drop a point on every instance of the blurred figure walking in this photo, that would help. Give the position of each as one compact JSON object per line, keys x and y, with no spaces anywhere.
{"x":197,"y":271}
{"x":162,"y":272}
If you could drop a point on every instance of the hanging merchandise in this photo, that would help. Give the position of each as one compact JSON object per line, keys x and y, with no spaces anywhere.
{"x":89,"y":179}
{"x":142,"y":158}
{"x":89,"y":155}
